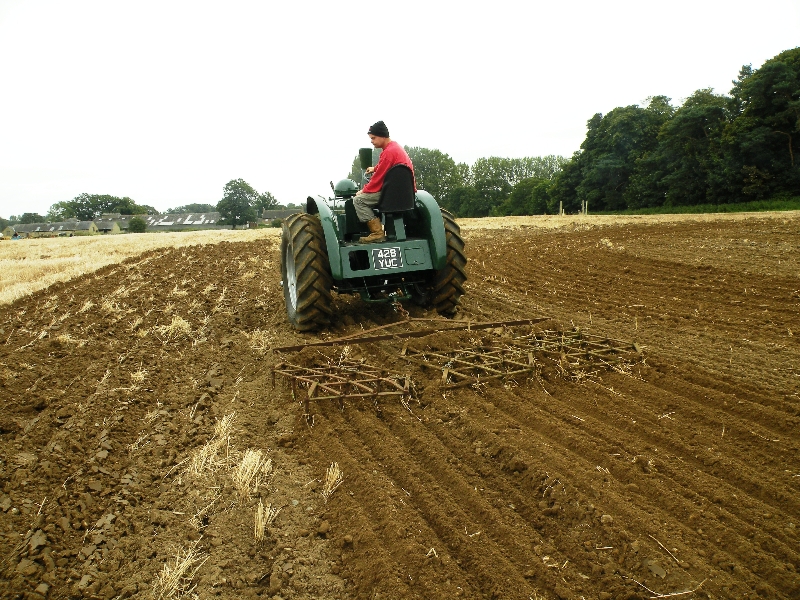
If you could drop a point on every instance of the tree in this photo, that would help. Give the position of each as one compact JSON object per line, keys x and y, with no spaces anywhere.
{"x":435,"y":172}
{"x":762,"y":145}
{"x":265,"y":201}
{"x":137,"y":225}
{"x":465,"y":202}
{"x":563,"y":193}
{"x":528,"y":197}
{"x":60,"y":211}
{"x":88,"y":207}
{"x":613,"y":144}
{"x":31,"y":218}
{"x":494,"y":178}
{"x":680,"y":169}
{"x":236,"y":206}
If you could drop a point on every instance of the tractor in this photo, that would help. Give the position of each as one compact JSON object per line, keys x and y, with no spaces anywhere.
{"x":422,"y":258}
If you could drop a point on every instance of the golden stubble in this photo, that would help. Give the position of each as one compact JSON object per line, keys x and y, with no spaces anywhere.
{"x":34,"y":264}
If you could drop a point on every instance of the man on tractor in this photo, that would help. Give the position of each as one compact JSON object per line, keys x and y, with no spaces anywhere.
{"x":368,"y":197}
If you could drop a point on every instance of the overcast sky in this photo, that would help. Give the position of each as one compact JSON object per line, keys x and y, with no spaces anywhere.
{"x":167,"y":101}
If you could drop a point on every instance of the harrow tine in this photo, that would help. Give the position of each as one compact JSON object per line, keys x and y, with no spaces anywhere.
{"x":489,"y":361}
{"x":337,"y":382}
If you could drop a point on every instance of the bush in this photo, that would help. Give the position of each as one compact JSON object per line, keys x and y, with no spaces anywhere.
{"x":137,"y":225}
{"x":276,"y":222}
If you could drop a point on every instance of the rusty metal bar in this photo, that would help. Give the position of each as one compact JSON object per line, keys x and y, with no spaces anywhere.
{"x":469,"y":325}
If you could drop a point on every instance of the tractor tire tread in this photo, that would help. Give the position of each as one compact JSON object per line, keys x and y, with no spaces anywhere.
{"x":312,"y":270}
{"x":448,"y":285}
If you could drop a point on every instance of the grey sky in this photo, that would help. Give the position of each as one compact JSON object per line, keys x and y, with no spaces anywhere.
{"x":167,"y":101}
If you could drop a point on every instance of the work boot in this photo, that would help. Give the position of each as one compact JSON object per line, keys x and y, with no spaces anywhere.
{"x":375,"y":232}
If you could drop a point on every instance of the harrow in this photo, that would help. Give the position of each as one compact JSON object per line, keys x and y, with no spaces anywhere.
{"x":345,"y":379}
{"x":571,"y":350}
{"x":498,"y":359}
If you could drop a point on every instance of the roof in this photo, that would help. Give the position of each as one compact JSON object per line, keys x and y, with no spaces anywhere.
{"x":175,"y":220}
{"x":105,"y":224}
{"x":54,"y":227}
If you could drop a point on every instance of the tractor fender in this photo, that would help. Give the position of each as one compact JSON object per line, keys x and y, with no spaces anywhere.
{"x":318,"y":206}
{"x":432,"y":216}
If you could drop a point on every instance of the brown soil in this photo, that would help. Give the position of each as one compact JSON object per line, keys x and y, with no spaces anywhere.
{"x":674,"y":474}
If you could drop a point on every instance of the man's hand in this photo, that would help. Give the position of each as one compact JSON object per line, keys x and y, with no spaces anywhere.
{"x":370,"y":169}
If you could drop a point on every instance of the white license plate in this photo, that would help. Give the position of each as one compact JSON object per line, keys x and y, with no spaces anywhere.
{"x":387,"y":258}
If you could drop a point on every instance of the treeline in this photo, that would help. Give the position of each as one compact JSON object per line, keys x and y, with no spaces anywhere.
{"x":88,"y":207}
{"x":239,"y":205}
{"x":714,"y":149}
{"x":85,"y":207}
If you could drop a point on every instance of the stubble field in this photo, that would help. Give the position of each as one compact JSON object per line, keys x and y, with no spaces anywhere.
{"x":144,"y":428}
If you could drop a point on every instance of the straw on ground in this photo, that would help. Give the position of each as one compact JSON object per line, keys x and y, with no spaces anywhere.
{"x":264,"y":518}
{"x":333,"y":479}
{"x":254,"y":469}
{"x":175,"y":581}
{"x":206,"y":458}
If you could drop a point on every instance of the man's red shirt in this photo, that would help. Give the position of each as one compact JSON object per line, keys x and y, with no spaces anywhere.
{"x":393,"y":154}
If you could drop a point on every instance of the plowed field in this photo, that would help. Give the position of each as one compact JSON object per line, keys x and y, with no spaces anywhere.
{"x":135,"y":400}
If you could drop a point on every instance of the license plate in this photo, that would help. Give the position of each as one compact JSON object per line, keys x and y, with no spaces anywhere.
{"x":387,"y":258}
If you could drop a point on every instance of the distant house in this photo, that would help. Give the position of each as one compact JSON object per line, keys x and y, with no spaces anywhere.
{"x":8,"y":232}
{"x":108,"y":226}
{"x":64,"y":228}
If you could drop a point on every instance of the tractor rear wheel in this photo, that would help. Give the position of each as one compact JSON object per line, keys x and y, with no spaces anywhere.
{"x":448,"y":283}
{"x":306,"y":272}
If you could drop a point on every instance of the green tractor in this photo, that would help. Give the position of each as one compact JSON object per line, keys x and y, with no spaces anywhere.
{"x":422,"y":258}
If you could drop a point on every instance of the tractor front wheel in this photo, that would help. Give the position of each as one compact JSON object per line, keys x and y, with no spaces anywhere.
{"x":306,"y":272}
{"x":448,"y":283}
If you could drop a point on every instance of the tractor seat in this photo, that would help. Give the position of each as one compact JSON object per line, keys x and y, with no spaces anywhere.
{"x":397,"y":193}
{"x":397,"y":197}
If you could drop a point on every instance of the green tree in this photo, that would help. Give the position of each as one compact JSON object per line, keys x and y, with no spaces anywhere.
{"x":60,"y":211}
{"x":265,"y":201}
{"x":435,"y":172}
{"x":28,"y":217}
{"x":762,"y":145}
{"x":88,"y":207}
{"x":613,"y":145}
{"x":494,"y":178}
{"x":528,"y":197}
{"x":563,"y":193}
{"x":137,"y":225}
{"x":236,"y":206}
{"x":681,"y":169}
{"x":461,"y":201}
{"x":355,"y":171}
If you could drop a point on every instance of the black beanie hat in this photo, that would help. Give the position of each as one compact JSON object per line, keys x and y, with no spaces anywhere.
{"x":379,"y":129}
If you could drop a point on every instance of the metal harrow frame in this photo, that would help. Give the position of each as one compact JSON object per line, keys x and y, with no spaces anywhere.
{"x":343,"y":379}
{"x":570,"y":350}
